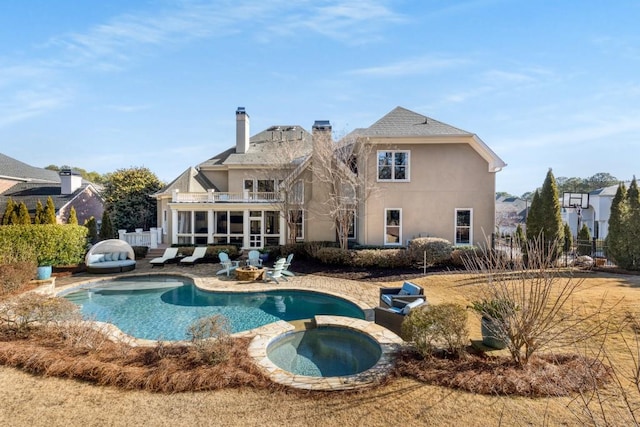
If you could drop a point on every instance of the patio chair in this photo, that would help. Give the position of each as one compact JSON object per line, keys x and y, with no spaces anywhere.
{"x":198,"y":254}
{"x":169,"y":255}
{"x":287,"y":263}
{"x":408,"y":292}
{"x":254,"y":258}
{"x":227,"y":265}
{"x":392,"y":317}
{"x":275,"y":273}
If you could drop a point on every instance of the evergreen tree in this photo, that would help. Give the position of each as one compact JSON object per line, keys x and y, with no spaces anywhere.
{"x":106,"y":228}
{"x":49,"y":212}
{"x":92,"y":234}
{"x":568,"y":238}
{"x":534,"y":220}
{"x":39,"y":216}
{"x":584,"y":241}
{"x":551,"y":218}
{"x":617,"y":239}
{"x":632,"y":224}
{"x":23,"y":215}
{"x":520,"y":237}
{"x":8,"y":212}
{"x":73,"y":218}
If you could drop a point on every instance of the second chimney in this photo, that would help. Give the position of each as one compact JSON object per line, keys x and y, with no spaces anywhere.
{"x":242,"y":131}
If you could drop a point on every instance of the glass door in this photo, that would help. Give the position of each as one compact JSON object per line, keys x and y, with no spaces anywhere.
{"x":255,"y":232}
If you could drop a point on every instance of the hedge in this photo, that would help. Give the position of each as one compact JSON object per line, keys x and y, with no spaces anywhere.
{"x":49,"y":244}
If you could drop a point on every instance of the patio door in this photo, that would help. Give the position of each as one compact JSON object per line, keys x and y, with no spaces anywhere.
{"x":255,"y":231}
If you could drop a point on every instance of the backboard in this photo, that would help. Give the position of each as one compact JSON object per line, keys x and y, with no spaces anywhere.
{"x":575,"y":200}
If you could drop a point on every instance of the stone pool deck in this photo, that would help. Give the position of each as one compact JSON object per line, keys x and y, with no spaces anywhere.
{"x":364,"y":294}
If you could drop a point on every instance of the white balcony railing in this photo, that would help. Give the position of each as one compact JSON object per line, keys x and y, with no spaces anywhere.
{"x":226,"y":197}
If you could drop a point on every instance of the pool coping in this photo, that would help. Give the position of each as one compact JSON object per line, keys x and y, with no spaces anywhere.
{"x":389,"y":342}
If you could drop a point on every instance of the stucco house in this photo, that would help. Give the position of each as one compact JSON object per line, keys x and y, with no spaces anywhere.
{"x":25,"y":183}
{"x":429,"y":179}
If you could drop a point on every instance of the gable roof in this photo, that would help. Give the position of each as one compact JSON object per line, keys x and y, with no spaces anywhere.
{"x":403,"y":123}
{"x":15,"y":169}
{"x":189,"y":181}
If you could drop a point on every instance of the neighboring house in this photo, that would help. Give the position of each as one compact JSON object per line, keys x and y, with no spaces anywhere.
{"x":596,"y":216}
{"x":28,"y":184}
{"x":430,"y":179}
{"x":510,"y":212}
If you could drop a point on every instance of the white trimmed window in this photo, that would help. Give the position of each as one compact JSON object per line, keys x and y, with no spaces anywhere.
{"x":393,"y":227}
{"x":393,"y":165}
{"x":464,"y":229}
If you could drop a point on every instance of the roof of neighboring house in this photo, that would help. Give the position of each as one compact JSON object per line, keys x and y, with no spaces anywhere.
{"x":12,"y":168}
{"x":403,"y":122}
{"x":31,"y":192}
{"x":266,"y":148}
{"x":608,"y":191}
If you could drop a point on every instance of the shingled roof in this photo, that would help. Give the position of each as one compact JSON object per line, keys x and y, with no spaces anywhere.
{"x":12,"y":168}
{"x":31,"y":192}
{"x":264,"y":147}
{"x":403,"y":122}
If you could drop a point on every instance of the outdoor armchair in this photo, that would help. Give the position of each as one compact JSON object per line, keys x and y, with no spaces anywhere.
{"x":392,"y":317}
{"x":227,"y":265}
{"x":408,"y":291}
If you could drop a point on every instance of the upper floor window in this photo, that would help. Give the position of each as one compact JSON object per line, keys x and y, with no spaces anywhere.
{"x":464,"y":234}
{"x":393,"y":165}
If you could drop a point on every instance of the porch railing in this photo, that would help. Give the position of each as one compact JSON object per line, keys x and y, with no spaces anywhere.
{"x":149,"y":238}
{"x":225,"y":197}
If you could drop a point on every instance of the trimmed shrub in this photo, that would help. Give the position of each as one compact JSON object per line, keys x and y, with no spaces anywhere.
{"x":438,"y":250}
{"x":462,"y":254}
{"x":140,"y":251}
{"x":336,"y":256}
{"x":384,"y":258}
{"x":52,"y":244}
{"x":435,"y":326}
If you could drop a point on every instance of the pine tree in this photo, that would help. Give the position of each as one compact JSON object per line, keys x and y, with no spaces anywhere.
{"x":39,"y":216}
{"x":106,"y":228}
{"x":617,"y":238}
{"x":584,"y":240}
{"x":632,"y":224}
{"x":92,"y":234}
{"x":8,"y":212}
{"x":23,"y":214}
{"x":520,"y":237}
{"x":534,"y":221}
{"x":49,"y":212}
{"x":552,"y":227}
{"x":568,"y":238}
{"x":73,"y":218}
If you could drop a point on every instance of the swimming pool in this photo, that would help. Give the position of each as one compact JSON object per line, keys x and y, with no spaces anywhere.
{"x":162,"y":307}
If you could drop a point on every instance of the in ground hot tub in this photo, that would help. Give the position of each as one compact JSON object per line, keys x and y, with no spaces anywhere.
{"x":325,"y":351}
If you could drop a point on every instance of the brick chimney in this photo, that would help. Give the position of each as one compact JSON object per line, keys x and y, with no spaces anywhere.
{"x":70,"y":181}
{"x":242,"y":131}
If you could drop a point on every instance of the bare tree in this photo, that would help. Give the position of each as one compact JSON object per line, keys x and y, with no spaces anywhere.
{"x":533,"y":308}
{"x":337,"y":169}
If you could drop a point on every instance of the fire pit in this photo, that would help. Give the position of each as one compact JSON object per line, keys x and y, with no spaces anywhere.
{"x":249,"y":273}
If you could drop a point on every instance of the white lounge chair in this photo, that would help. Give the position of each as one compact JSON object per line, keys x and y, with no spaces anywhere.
{"x":198,"y":254}
{"x":168,"y":255}
{"x":275,"y":273}
{"x":287,"y":263}
{"x":227,"y":265}
{"x":254,"y":259}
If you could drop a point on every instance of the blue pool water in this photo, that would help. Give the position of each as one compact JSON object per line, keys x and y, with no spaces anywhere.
{"x":162,"y":307}
{"x":324,"y":352}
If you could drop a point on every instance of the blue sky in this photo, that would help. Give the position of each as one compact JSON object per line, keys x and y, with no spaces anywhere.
{"x":106,"y":85}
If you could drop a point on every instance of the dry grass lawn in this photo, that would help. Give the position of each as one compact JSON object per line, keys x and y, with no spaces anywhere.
{"x":35,"y":401}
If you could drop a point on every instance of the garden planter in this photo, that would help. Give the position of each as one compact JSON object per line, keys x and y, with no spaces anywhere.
{"x":44,"y":272}
{"x":490,"y":338}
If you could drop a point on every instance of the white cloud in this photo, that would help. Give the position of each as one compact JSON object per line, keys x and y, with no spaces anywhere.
{"x":30,"y":103}
{"x":412,"y":66}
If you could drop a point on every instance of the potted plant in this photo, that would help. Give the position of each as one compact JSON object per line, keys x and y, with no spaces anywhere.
{"x":495,"y":313}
